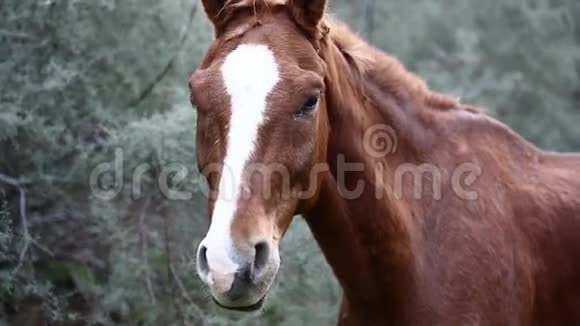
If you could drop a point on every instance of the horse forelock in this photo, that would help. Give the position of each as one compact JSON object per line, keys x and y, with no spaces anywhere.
{"x":258,"y":7}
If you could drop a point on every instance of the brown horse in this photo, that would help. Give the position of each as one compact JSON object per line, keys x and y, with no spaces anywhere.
{"x":429,"y":212}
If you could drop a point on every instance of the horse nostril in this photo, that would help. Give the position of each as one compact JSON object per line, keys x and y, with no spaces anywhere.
{"x":262,"y":256}
{"x":202,"y":260}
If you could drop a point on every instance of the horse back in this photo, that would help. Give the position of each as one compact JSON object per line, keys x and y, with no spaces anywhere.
{"x":512,"y":256}
{"x":551,"y":223}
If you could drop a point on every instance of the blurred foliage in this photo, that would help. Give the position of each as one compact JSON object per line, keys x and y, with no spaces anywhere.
{"x":83,"y":81}
{"x":519,"y":59}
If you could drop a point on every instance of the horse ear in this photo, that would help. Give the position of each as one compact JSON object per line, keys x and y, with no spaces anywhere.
{"x":308,"y":13}
{"x":213,"y":9}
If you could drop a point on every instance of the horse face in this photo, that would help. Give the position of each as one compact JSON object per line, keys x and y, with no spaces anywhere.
{"x":259,"y":98}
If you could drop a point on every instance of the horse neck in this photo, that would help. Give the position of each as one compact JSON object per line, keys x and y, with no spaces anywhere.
{"x":367,"y":240}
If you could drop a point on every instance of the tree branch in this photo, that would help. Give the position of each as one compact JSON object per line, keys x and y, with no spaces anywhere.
{"x":23,"y":37}
{"x":184,"y":293}
{"x":17,"y":35}
{"x":184,"y":32}
{"x":28,"y":240}
{"x":12,"y":181}
{"x":144,"y":249}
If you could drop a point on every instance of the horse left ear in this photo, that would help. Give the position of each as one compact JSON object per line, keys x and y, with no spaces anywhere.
{"x":213,"y":9}
{"x":308,"y":13}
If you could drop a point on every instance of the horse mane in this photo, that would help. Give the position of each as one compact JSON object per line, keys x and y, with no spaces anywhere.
{"x":384,"y":69}
{"x":366,"y":62}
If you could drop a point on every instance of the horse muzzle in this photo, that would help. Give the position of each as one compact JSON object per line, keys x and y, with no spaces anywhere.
{"x":238,"y":279}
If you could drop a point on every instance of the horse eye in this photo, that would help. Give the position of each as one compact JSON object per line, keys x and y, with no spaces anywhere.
{"x":310,"y":105}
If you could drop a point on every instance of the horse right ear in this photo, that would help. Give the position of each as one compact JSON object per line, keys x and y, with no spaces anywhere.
{"x":308,"y":13}
{"x":213,"y":10}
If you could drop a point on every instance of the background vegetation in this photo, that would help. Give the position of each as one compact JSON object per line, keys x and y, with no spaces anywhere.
{"x":80,"y":79}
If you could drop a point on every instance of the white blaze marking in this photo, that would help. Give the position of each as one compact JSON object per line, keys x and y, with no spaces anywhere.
{"x":250,"y":73}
